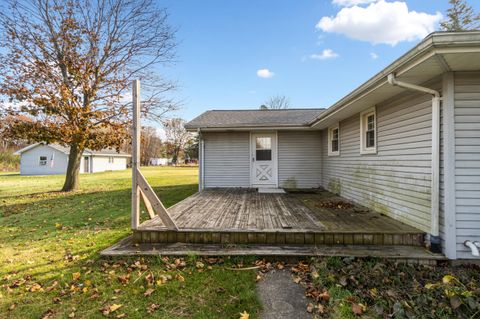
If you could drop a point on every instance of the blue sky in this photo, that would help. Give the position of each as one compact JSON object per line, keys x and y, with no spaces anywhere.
{"x":313,"y":61}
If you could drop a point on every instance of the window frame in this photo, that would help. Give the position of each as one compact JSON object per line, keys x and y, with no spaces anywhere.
{"x":110,"y":159}
{"x":330,"y":140}
{"x":364,"y":129}
{"x":42,"y":162}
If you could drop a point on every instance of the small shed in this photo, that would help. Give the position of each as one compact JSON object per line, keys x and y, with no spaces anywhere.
{"x":52,"y":159}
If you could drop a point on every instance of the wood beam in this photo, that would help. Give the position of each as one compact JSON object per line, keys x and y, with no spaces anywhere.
{"x":148,"y":205}
{"x":157,"y":205}
{"x":136,"y":128}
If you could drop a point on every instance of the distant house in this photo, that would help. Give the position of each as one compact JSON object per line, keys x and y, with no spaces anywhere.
{"x":51,"y":159}
{"x":161,"y":161}
{"x":405,"y":143}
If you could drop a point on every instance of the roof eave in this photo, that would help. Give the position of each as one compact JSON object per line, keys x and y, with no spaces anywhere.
{"x":430,"y":45}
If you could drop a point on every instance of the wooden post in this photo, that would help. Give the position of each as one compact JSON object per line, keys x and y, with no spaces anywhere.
{"x":136,"y":128}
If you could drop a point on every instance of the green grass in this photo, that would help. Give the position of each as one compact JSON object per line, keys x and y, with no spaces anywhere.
{"x":46,"y":236}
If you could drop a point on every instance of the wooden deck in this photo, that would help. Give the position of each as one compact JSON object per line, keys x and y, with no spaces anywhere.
{"x":244,"y":216}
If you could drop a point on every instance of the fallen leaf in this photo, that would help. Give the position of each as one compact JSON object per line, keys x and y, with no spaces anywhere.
{"x":179,"y":278}
{"x":148,"y":292}
{"x":124,"y":279}
{"x":76,"y":276}
{"x":310,"y":308}
{"x":357,"y":309}
{"x":71,"y":315}
{"x":35,"y":287}
{"x":52,"y":286}
{"x":152,"y":308}
{"x":448,"y":278}
{"x":121,"y":315}
{"x":324,"y":296}
{"x":47,"y":314}
{"x":109,"y":309}
{"x":199,"y":265}
{"x":12,"y":306}
{"x":244,"y":315}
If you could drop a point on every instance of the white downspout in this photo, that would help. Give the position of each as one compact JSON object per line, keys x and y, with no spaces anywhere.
{"x":201,"y":156}
{"x":435,"y":183}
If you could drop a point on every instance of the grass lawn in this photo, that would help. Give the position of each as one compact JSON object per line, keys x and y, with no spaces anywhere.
{"x":50,"y":267}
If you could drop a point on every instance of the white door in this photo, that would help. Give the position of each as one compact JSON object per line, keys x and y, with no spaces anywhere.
{"x":264,"y":157}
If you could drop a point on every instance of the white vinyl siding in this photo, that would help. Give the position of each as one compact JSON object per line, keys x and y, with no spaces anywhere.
{"x":30,"y":161}
{"x":227,"y":159}
{"x":467,"y":159}
{"x":299,"y":159}
{"x":102,"y":163}
{"x":396,"y":180}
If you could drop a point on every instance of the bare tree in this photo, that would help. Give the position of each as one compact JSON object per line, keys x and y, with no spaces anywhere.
{"x":276,"y":102}
{"x":150,"y":145}
{"x":177,"y":136}
{"x":460,"y":17}
{"x":70,"y":65}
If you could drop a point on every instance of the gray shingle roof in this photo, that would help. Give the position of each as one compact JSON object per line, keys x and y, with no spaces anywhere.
{"x":254,"y":118}
{"x":86,"y":152}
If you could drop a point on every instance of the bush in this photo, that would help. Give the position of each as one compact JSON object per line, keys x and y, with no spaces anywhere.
{"x":9,"y":162}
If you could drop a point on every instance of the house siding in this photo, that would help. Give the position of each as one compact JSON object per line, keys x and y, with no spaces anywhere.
{"x":299,"y":159}
{"x":397,"y":180}
{"x":101,"y":164}
{"x":29,"y":161}
{"x":227,"y":159}
{"x":467,"y":160}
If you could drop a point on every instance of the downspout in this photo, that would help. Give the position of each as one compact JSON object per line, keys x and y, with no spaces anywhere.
{"x":201,"y":155}
{"x":435,"y":243}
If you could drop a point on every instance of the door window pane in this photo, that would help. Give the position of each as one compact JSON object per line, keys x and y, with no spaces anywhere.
{"x":263,"y":143}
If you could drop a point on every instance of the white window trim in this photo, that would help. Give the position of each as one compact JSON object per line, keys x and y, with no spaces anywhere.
{"x":330,"y":136}
{"x":363,"y":116}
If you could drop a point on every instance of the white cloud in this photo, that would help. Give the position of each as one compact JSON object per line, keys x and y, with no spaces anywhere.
{"x":381,"y":22}
{"x":324,"y":55}
{"x":374,"y":55}
{"x":351,"y":3}
{"x":265,"y":73}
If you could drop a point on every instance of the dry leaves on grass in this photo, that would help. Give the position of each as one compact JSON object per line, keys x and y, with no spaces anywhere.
{"x":244,"y":315}
{"x":108,"y":309}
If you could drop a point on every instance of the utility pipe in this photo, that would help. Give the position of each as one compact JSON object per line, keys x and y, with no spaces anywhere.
{"x":473,"y":247}
{"x":201,"y":155}
{"x":435,"y":171}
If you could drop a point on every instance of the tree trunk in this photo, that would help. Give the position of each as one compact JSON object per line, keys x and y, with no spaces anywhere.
{"x":73,"y":169}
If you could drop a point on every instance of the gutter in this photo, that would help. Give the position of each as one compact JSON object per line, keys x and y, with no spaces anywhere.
{"x":435,"y":244}
{"x":429,"y":46}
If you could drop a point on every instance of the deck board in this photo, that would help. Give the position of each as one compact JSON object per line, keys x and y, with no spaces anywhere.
{"x":247,"y":210}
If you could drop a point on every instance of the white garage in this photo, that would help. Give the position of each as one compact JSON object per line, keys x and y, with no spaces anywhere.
{"x":51,"y":159}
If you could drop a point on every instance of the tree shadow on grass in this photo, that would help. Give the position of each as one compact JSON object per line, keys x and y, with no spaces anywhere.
{"x":76,"y":224}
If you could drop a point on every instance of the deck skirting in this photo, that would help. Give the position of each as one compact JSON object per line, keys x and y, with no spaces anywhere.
{"x":277,"y":237}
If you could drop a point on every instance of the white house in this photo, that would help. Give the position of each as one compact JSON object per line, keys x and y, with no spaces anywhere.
{"x":406,"y":143}
{"x":50,"y":159}
{"x":159,"y":161}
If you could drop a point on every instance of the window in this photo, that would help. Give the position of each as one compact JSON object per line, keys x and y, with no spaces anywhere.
{"x":110,"y":159}
{"x":334,"y":141}
{"x":368,"y":131}
{"x":43,"y":160}
{"x":263,"y":147}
